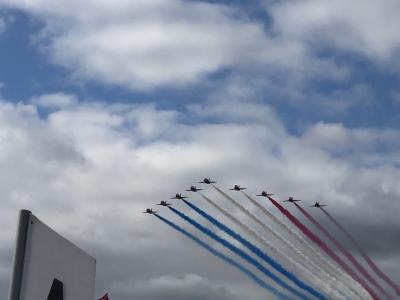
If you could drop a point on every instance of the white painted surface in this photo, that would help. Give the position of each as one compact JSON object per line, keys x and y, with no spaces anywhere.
{"x":48,"y":256}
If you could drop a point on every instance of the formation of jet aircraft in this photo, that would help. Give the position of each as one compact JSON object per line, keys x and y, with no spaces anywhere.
{"x":236,"y":187}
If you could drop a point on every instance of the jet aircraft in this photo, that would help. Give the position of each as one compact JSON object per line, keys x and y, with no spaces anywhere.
{"x":207,"y":181}
{"x":179,"y":196}
{"x":193,"y":188}
{"x":149,"y":211}
{"x":316,"y":204}
{"x":291,"y":200}
{"x":237,"y":188}
{"x":265,"y":194}
{"x":164,"y":203}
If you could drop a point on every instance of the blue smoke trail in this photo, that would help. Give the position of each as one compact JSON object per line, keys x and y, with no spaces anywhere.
{"x":241,"y":253}
{"x":257,"y":251}
{"x":227,"y":259}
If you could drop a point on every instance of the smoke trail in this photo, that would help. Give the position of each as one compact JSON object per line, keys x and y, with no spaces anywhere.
{"x":227,"y":259}
{"x":369,"y":261}
{"x":281,"y":255}
{"x":239,"y":252}
{"x":346,"y":253}
{"x":323,"y":246}
{"x":258,"y":252}
{"x":313,"y":252}
{"x":283,"y":225}
{"x":352,"y":286}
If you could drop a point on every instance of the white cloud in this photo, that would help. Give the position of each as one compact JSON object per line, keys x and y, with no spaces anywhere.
{"x":4,"y":22}
{"x":89,"y":169}
{"x":2,"y":25}
{"x":146,"y":44}
{"x":395,"y":97}
{"x":339,"y":100}
{"x":56,"y":100}
{"x":360,"y":146}
{"x":158,"y":43}
{"x":366,"y":27}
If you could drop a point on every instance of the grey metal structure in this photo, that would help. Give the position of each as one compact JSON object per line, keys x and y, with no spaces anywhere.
{"x":48,"y":266}
{"x":19,"y":254}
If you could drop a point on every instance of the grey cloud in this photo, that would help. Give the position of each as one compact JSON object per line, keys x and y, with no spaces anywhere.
{"x":190,"y":286}
{"x":89,"y":170}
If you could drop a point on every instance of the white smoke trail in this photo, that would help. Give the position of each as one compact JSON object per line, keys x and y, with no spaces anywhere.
{"x":282,"y":257}
{"x":330,"y":269}
{"x":330,"y":273}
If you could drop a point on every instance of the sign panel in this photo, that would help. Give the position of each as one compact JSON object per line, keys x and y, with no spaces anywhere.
{"x":50,"y":264}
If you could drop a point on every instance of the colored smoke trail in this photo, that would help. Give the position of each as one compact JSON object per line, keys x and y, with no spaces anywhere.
{"x":257,"y":251}
{"x":227,"y":259}
{"x":327,"y":275}
{"x":346,"y":253}
{"x":369,"y":261}
{"x":283,"y":257}
{"x":239,"y":252}
{"x":323,"y":246}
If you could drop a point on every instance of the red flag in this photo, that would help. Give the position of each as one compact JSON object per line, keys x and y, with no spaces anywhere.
{"x":105,"y":297}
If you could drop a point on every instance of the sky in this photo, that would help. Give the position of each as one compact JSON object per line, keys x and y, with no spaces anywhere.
{"x":106,"y":108}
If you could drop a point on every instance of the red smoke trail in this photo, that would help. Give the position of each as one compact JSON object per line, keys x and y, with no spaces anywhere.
{"x":323,"y":246}
{"x":346,"y":253}
{"x":369,"y":261}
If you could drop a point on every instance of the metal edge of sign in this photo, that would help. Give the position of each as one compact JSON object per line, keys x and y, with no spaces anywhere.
{"x":19,"y":254}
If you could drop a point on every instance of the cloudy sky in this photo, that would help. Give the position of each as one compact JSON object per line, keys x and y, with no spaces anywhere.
{"x":107,"y":107}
